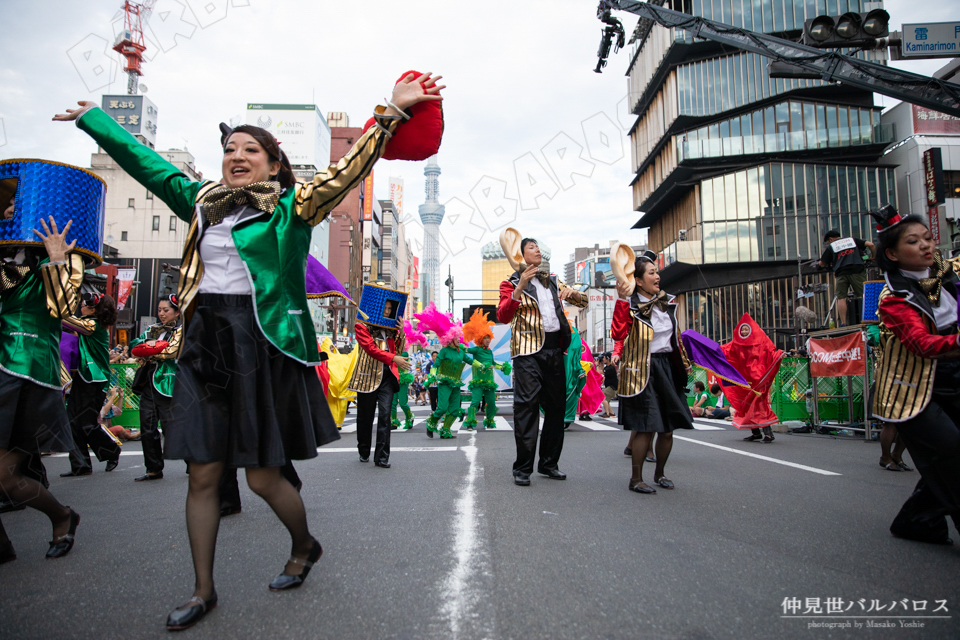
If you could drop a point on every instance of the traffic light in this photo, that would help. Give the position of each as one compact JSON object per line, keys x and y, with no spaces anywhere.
{"x":849,"y":30}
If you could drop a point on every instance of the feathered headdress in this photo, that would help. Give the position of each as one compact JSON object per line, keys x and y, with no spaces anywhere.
{"x":448,"y":330}
{"x":413,"y":336}
{"x":477,"y":328}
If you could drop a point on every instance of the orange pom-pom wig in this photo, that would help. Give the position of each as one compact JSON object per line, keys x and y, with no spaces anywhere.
{"x":477,"y":328}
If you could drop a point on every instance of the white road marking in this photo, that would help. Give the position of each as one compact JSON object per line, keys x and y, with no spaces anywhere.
{"x":392,"y":449}
{"x":706,"y":426}
{"x":759,"y":457}
{"x":593,"y":425}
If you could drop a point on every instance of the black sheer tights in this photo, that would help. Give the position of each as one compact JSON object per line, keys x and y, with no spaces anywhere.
{"x":640,"y":444}
{"x":203,"y":516}
{"x":30,"y":492}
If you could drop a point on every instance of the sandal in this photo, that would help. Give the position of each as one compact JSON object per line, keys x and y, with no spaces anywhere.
{"x":190,"y":613}
{"x":642,"y":487}
{"x":663,"y":482}
{"x":902,"y":465}
{"x":891,"y":466}
{"x":284,"y":581}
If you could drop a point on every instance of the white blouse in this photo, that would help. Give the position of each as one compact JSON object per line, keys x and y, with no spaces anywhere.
{"x":662,"y":328}
{"x":223,"y":269}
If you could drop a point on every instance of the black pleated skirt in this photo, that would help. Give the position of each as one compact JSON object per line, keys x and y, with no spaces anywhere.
{"x":659,"y":407}
{"x":32,"y":418}
{"x":237,"y":398}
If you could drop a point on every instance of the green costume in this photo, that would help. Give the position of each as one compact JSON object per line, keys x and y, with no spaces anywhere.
{"x":166,"y":371}
{"x":30,"y":321}
{"x":576,"y":377}
{"x":402,"y":398}
{"x":483,"y":386}
{"x":94,"y":349}
{"x":450,"y":363}
{"x":274,"y":250}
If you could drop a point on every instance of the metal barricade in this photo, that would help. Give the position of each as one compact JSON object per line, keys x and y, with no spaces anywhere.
{"x":121,"y":375}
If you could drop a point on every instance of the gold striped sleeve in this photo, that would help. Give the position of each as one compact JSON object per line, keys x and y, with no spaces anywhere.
{"x":61,"y":282}
{"x":317,"y":198}
{"x":578,"y":299}
{"x":173,"y":348}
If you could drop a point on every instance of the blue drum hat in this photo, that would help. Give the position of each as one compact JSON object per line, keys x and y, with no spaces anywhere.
{"x":381,"y":306}
{"x":40,"y":189}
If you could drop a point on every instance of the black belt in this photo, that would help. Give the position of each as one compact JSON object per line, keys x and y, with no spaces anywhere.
{"x":551,"y":340}
{"x":224,"y":300}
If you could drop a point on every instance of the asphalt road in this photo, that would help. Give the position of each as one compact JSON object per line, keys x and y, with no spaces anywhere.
{"x":444,"y":545}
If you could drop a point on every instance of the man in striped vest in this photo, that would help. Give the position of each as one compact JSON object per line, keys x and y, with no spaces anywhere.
{"x":531,"y":300}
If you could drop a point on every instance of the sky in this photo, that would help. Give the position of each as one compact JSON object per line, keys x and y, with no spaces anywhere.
{"x":533,"y":139}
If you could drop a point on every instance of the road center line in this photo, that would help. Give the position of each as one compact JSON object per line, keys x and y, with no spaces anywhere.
{"x":759,"y":457}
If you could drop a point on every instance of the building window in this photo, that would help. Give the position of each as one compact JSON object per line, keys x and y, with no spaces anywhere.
{"x":132,"y":202}
{"x":173,"y":223}
{"x":149,"y":196}
{"x":951,"y":183}
{"x":123,"y":236}
{"x":156,"y":223}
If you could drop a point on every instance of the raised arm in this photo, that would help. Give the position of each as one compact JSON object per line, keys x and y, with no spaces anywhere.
{"x":144,"y":164}
{"x":572,"y":296}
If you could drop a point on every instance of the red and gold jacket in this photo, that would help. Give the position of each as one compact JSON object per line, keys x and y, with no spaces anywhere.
{"x":375,"y":351}
{"x":633,"y":335}
{"x":523,"y":315}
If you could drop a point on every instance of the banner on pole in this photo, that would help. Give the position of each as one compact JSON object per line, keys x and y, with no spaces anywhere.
{"x":837,"y":357}
{"x":125,"y":278}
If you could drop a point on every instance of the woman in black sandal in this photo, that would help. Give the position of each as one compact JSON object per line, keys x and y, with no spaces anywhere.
{"x":246,"y":393}
{"x":653,"y":370}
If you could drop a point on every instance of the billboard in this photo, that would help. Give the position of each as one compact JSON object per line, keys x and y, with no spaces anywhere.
{"x":930,"y":121}
{"x":301,"y":129}
{"x":396,"y":194}
{"x":368,"y":197}
{"x":136,"y":114}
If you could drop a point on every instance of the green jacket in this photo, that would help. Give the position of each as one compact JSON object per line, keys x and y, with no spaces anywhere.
{"x":166,"y":371}
{"x":273,"y":247}
{"x":30,"y":321}
{"x":450,"y":363}
{"x":94,"y":353}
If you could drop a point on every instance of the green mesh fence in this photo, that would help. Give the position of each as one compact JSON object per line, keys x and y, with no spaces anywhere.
{"x":788,"y":395}
{"x":121,"y":375}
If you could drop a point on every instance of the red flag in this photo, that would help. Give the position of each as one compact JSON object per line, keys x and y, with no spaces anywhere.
{"x":755,"y":356}
{"x":836,"y":357}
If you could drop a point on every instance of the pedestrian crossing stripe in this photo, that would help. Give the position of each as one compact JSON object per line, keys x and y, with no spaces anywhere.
{"x":595,"y":425}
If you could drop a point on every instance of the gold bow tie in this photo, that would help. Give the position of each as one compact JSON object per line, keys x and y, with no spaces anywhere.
{"x":646,"y":308}
{"x":933,"y":285}
{"x":222,"y":200}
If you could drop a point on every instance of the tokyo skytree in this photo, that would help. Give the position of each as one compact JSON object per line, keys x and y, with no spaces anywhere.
{"x":431,"y":215}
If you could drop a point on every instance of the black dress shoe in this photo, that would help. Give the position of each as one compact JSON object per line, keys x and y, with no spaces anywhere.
{"x":639,"y":488}
{"x":283,"y":582}
{"x":149,"y":476}
{"x":190,"y":613}
{"x":385,"y":465}
{"x":553,"y":474}
{"x":111,"y":465}
{"x":521,"y":479}
{"x":82,"y":472}
{"x":627,"y":451}
{"x":61,"y":545}
{"x":229,"y":510}
{"x":663,"y":482}
{"x":365,"y":458}
{"x":7,"y":554}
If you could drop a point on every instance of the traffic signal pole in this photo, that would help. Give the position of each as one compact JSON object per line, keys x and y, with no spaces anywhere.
{"x":831,"y":66}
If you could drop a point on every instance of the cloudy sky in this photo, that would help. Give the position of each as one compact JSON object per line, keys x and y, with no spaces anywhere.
{"x":521,"y":94}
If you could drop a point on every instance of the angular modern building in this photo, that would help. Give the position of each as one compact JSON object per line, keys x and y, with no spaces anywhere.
{"x":738,"y":176}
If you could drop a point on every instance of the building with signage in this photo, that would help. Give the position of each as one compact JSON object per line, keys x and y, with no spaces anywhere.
{"x":927,"y":159}
{"x":738,"y":176}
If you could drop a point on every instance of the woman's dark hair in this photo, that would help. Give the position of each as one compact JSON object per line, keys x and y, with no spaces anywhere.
{"x":170,"y":299}
{"x":890,"y":238}
{"x":639,"y":265}
{"x":266,"y":140}
{"x":715,"y":388}
{"x":106,"y":311}
{"x":699,"y":385}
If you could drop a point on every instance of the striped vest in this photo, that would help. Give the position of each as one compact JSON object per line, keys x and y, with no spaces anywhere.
{"x":369,"y":371}
{"x":635,"y":359}
{"x":904,"y":380}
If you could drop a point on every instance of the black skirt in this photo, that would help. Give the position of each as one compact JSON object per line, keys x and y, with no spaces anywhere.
{"x":32,"y":418}
{"x":659,"y":407}
{"x":237,"y":398}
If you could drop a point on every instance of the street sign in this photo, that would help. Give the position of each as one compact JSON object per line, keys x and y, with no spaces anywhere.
{"x":931,"y":40}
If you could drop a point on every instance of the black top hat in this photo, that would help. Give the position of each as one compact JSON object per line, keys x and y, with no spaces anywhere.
{"x":886,"y":217}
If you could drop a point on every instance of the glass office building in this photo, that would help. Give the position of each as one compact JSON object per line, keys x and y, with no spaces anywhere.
{"x":738,"y":176}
